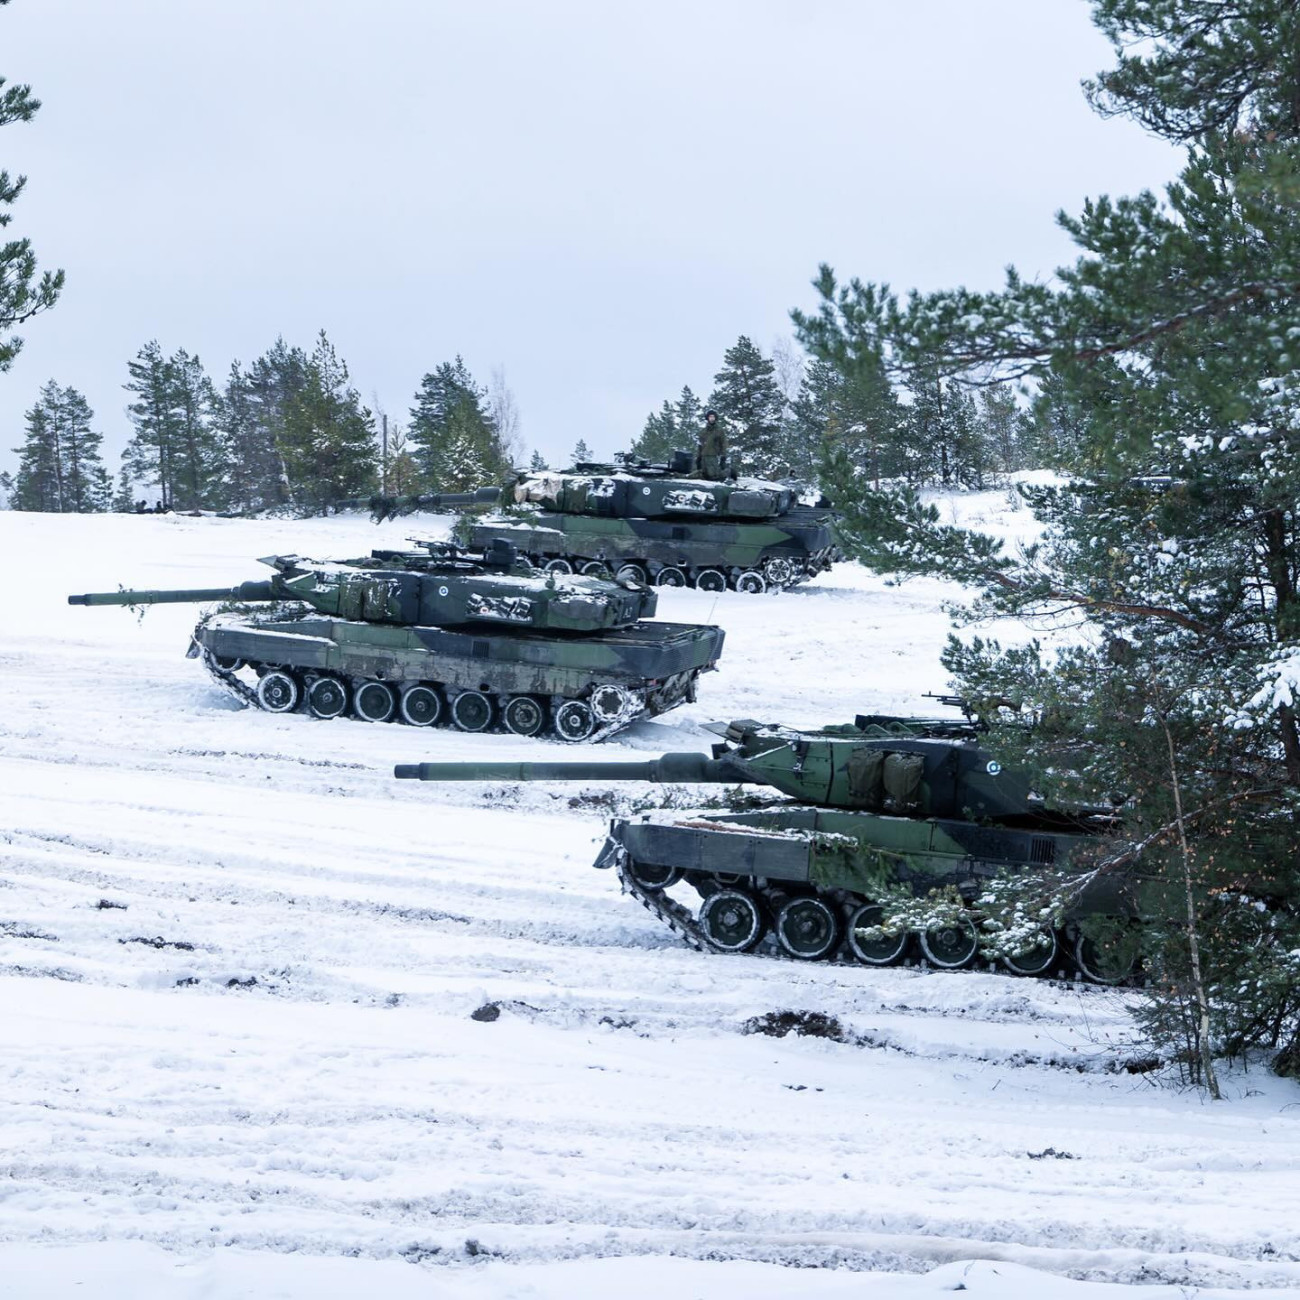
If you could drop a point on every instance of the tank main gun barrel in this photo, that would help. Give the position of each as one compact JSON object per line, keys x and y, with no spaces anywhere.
{"x":386,"y":507}
{"x":671,"y":769}
{"x":246,"y":591}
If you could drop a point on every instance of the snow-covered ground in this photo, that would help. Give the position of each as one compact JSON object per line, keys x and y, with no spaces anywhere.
{"x":238,"y":963}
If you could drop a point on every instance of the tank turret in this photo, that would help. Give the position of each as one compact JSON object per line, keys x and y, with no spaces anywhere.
{"x":653,"y":523}
{"x":877,"y":811}
{"x":444,"y":590}
{"x":890,"y":765}
{"x":437,"y":633}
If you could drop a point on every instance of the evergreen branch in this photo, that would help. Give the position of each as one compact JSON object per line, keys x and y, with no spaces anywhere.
{"x":1135,"y":851}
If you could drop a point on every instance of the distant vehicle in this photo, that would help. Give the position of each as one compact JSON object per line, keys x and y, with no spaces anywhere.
{"x":649,"y":523}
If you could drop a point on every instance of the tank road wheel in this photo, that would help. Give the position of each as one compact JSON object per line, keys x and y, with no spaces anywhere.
{"x":731,"y":920}
{"x":631,"y":573}
{"x":780,"y":572}
{"x":421,"y":705}
{"x":1106,"y":961}
{"x":807,"y":928}
{"x":651,"y":876}
{"x":711,"y":580}
{"x":951,"y":946}
{"x":751,"y":582}
{"x":558,"y":566}
{"x":609,"y":702}
{"x":471,"y":711}
{"x":595,"y":569}
{"x":327,"y":697}
{"x":574,"y":720}
{"x":374,"y":702}
{"x":278,"y":692}
{"x":669,"y":576}
{"x":524,"y":715}
{"x":883,"y":950}
{"x":1038,"y":959}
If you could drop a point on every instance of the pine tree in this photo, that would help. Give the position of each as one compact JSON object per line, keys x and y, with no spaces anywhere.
{"x":38,"y":485}
{"x":452,"y":431}
{"x":256,"y":406}
{"x":581,"y":454}
{"x":328,"y":437}
{"x":60,"y":468}
{"x":22,"y":294}
{"x":1002,"y":428}
{"x":199,"y":458}
{"x":150,"y":455}
{"x":1169,"y":345}
{"x":750,"y":404}
{"x":659,"y":437}
{"x":858,"y":418}
{"x":6,"y":490}
{"x":87,"y":486}
{"x":537,"y":462}
{"x":689,"y":415}
{"x":124,"y":499}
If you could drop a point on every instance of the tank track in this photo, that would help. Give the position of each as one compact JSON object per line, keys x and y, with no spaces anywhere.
{"x":246,"y":695}
{"x":775,"y":575}
{"x":679,"y":919}
{"x":684,"y":923}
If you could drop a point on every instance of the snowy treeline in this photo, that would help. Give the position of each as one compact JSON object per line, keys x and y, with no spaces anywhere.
{"x":288,"y":431}
{"x":782,"y":415}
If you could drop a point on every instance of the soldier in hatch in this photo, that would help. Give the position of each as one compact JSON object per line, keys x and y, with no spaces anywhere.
{"x":712,"y":455}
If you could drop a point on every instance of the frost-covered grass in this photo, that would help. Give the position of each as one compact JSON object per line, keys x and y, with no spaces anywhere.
{"x":238,"y":963}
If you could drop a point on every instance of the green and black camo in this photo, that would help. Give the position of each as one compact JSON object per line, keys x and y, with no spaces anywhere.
{"x":878,"y":815}
{"x":434,"y":635}
{"x":649,"y":523}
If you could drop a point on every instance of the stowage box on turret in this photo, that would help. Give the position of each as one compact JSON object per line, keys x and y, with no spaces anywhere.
{"x":883,"y":808}
{"x":650,"y":523}
{"x":435,"y":635}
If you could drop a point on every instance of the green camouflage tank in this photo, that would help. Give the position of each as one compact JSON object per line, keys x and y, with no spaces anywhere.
{"x":437,"y":636}
{"x":652,"y":524}
{"x":889,"y":838}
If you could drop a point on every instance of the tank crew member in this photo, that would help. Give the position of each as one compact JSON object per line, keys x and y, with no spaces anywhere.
{"x":712,"y":455}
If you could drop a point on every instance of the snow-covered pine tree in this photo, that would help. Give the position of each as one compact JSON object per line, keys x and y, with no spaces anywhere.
{"x":329,"y":437}
{"x":538,"y":462}
{"x":1002,"y":428}
{"x":6,"y":490}
{"x":1177,"y":538}
{"x":451,"y":430}
{"x":581,"y":454}
{"x":749,"y":401}
{"x":22,"y":294}
{"x":943,"y":443}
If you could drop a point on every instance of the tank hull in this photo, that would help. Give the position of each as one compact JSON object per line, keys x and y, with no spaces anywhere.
{"x":782,"y":551}
{"x":835,"y":863}
{"x":617,"y":675}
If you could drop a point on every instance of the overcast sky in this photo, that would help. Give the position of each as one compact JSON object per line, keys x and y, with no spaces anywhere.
{"x":597,"y":196}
